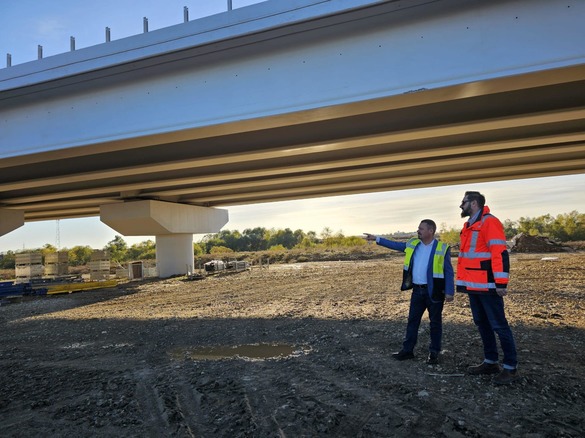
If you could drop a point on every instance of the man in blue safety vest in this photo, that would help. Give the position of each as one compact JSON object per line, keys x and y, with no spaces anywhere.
{"x":429,"y":273}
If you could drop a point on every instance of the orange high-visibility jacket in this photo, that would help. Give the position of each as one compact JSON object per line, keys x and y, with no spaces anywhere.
{"x":483,"y":262}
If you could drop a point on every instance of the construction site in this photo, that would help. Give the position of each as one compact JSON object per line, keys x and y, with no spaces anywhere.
{"x":299,"y":349}
{"x":38,"y":276}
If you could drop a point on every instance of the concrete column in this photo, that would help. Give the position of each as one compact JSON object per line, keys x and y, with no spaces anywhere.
{"x":174,"y":254}
{"x":10,"y":220}
{"x":172,"y":224}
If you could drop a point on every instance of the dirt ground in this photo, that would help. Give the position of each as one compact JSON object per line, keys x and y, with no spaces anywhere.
{"x":176,"y":358}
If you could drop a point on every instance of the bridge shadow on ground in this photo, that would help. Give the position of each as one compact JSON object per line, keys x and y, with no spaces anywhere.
{"x":137,"y":376}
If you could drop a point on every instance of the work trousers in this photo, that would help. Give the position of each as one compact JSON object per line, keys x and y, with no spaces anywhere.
{"x":490,"y":319}
{"x":419,"y":302}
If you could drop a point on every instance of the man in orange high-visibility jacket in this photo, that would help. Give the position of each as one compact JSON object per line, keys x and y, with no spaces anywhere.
{"x":483,"y":268}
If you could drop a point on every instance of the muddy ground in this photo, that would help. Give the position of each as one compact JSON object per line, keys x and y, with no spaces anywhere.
{"x":132,"y":361}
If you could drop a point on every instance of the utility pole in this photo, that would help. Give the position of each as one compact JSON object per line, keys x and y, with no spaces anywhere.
{"x":58,"y":237}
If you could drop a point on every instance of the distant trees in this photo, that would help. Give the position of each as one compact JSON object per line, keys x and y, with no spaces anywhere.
{"x":8,"y":260}
{"x":48,"y":249}
{"x":510,"y":228}
{"x":117,"y":249}
{"x":79,"y":255}
{"x":255,"y":239}
{"x":141,"y":251}
{"x":564,"y":227}
{"x":262,"y":239}
{"x":449,"y":235}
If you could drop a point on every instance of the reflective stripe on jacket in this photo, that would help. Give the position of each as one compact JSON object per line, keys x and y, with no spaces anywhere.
{"x":483,"y":262}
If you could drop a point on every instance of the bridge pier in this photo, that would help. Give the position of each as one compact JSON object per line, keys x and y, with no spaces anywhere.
{"x":10,"y":220}
{"x":172,"y":224}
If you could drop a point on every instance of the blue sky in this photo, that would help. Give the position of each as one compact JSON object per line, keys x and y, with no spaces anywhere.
{"x":25,"y":24}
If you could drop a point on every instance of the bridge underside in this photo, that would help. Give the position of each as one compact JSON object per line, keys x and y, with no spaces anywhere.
{"x":290,"y":101}
{"x":507,"y":128}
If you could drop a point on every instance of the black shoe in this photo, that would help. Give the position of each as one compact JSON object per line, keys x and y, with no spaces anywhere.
{"x":433,"y":358}
{"x":484,"y":368}
{"x":506,"y":377}
{"x":403,"y":355}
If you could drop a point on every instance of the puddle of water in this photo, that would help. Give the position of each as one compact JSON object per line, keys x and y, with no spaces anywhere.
{"x":251,"y":351}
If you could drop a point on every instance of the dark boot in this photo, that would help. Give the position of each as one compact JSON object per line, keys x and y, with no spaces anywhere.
{"x":484,"y":368}
{"x":433,"y":358}
{"x":506,"y":377}
{"x":403,"y":355}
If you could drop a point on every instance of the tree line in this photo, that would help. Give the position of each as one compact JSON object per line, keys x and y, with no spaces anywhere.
{"x":564,"y":227}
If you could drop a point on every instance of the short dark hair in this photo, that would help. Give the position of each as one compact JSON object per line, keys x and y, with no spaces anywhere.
{"x":476,"y":196}
{"x":430,"y":223}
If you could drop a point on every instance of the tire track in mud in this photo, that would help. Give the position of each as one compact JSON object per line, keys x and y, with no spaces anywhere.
{"x":151,"y":404}
{"x":212,"y":402}
{"x":352,"y":408}
{"x":171,"y":405}
{"x":258,"y":407}
{"x":187,"y":401}
{"x":333,"y":394}
{"x":322,"y":394}
{"x":260,"y":401}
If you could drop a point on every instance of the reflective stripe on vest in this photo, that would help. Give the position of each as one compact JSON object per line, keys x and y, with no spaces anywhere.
{"x":439,"y":260}
{"x":409,"y":251}
{"x":438,"y":257}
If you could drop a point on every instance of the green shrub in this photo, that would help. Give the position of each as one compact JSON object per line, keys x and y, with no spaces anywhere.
{"x":220,"y":250}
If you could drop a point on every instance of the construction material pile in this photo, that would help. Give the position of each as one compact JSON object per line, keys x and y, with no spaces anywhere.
{"x":526,"y":243}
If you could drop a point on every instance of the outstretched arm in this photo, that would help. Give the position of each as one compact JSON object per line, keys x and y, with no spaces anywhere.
{"x":397,"y":246}
{"x":369,"y":237}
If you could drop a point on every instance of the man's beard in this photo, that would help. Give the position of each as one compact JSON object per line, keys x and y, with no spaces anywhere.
{"x":465,"y":212}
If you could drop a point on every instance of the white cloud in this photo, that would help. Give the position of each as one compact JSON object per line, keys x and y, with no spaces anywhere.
{"x":50,"y":27}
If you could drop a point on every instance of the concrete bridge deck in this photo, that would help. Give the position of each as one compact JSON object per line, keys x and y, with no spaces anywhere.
{"x":307,"y":99}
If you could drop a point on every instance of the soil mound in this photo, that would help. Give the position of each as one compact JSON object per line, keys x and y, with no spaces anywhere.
{"x":525,"y":243}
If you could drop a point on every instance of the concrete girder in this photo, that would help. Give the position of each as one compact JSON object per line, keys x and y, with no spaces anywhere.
{"x":10,"y":220}
{"x":292,"y":152}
